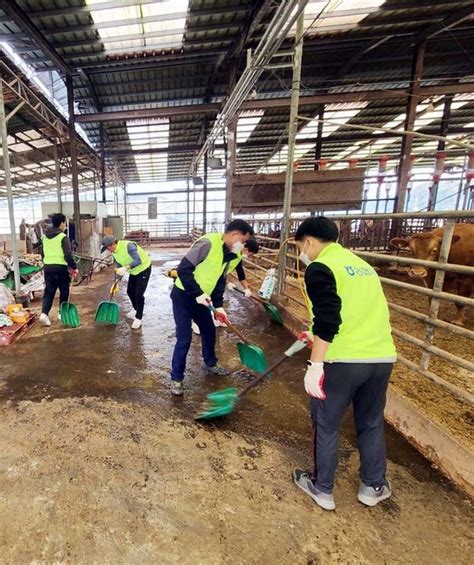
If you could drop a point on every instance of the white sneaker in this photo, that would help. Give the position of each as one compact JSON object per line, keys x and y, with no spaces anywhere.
{"x":44,"y":320}
{"x":137,"y":324}
{"x":131,"y":315}
{"x":195,"y":328}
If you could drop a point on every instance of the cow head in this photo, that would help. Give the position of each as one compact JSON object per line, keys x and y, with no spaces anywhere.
{"x":424,"y":246}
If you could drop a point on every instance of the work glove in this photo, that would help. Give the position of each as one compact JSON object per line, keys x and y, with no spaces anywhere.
{"x":221,"y":316}
{"x":74,"y":273}
{"x":121,"y":271}
{"x":307,"y":337}
{"x":314,"y":380}
{"x":204,"y":299}
{"x":230,"y":286}
{"x":248,"y":292}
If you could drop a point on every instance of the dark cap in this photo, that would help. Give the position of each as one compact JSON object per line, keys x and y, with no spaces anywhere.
{"x":106,"y":241}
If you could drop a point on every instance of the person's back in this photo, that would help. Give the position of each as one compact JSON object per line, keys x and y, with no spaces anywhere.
{"x":365,"y":332}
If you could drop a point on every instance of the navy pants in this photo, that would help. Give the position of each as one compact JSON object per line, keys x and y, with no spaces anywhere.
{"x":365,"y":385}
{"x":185,"y":310}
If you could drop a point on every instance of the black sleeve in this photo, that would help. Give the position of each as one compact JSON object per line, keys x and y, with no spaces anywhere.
{"x":321,"y":289}
{"x":66,"y":245}
{"x":186,"y":275}
{"x":217,"y":295}
{"x":240,"y":271}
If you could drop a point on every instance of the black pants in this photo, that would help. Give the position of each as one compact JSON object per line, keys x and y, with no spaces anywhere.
{"x":136,"y":290}
{"x":185,"y":310}
{"x":55,"y":276}
{"x":365,"y":385}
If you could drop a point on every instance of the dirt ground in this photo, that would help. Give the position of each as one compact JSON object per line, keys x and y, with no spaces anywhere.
{"x":100,"y":465}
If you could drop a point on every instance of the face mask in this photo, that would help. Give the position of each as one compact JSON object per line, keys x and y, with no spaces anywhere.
{"x":237,"y":247}
{"x":304,"y":258}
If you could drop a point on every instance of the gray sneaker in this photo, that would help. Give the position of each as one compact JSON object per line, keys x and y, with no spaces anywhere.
{"x":177,"y":388}
{"x":217,"y":370}
{"x":304,"y":482}
{"x":371,"y":496}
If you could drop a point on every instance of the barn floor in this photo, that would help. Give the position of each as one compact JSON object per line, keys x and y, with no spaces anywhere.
{"x":100,"y":464}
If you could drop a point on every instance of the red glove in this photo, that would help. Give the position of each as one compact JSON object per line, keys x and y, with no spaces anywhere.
{"x":74,"y":273}
{"x":307,"y":337}
{"x":221,"y":316}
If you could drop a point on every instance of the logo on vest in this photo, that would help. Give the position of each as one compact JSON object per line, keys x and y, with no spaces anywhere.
{"x":359,"y":271}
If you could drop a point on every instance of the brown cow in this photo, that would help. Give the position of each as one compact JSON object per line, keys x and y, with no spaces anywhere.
{"x":427,"y":245}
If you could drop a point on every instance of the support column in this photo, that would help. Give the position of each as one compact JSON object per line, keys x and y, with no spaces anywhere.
{"x":8,"y":184}
{"x":74,"y":170}
{"x":102,"y":163}
{"x":407,"y":141}
{"x":230,"y":167}
{"x":441,"y":146}
{"x":125,"y":212}
{"x":293,"y":127}
{"x":187,"y":205}
{"x":319,"y":139}
{"x":204,"y":196}
{"x":57,"y":165}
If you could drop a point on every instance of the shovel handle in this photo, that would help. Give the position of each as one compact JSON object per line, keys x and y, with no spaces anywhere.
{"x":114,"y":286}
{"x":231,"y":327}
{"x":294,"y":348}
{"x":256,"y":298}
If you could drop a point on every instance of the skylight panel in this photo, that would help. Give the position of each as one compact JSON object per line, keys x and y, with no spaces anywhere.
{"x":157,"y":132}
{"x":246,"y":123}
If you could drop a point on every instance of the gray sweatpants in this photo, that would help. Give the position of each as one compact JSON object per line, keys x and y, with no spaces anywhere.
{"x":365,"y":385}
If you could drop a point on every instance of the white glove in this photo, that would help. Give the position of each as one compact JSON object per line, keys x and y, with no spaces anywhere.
{"x":248,"y":292}
{"x":230,"y":286}
{"x":204,"y":299}
{"x":121,"y":271}
{"x":314,"y":380}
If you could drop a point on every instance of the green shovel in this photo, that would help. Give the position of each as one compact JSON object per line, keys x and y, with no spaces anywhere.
{"x":69,"y":312}
{"x":270,"y":309}
{"x":251,"y":356}
{"x":108,"y":311}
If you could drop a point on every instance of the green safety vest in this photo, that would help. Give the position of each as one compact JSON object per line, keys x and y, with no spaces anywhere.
{"x":123,"y":258}
{"x":209,"y":271}
{"x":53,"y":250}
{"x":234,"y":263}
{"x":365,"y":334}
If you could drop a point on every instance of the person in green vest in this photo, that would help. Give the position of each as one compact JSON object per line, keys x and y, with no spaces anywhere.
{"x":199,"y":286}
{"x":134,"y":260}
{"x":250,"y":249}
{"x":57,"y":257}
{"x":351,"y":361}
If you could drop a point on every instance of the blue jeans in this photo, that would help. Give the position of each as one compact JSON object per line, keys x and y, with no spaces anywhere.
{"x":185,"y":310}
{"x":365,"y":385}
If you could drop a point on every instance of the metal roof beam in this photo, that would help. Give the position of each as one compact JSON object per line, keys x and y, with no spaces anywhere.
{"x":23,"y":22}
{"x":454,"y":19}
{"x":263,"y":104}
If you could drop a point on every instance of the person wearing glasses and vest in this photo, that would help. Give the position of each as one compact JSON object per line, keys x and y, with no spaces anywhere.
{"x":200,"y":285}
{"x":134,"y":260}
{"x":57,"y":257}
{"x":351,"y":361}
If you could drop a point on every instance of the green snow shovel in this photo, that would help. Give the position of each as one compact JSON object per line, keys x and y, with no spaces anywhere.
{"x":69,"y":312}
{"x":222,"y":402}
{"x":108,"y":311}
{"x":251,"y":356}
{"x":270,"y":309}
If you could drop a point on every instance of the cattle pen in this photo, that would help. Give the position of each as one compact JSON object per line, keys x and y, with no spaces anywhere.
{"x":435,"y":357}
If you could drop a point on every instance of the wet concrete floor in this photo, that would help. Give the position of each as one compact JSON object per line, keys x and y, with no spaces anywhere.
{"x":114,"y":362}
